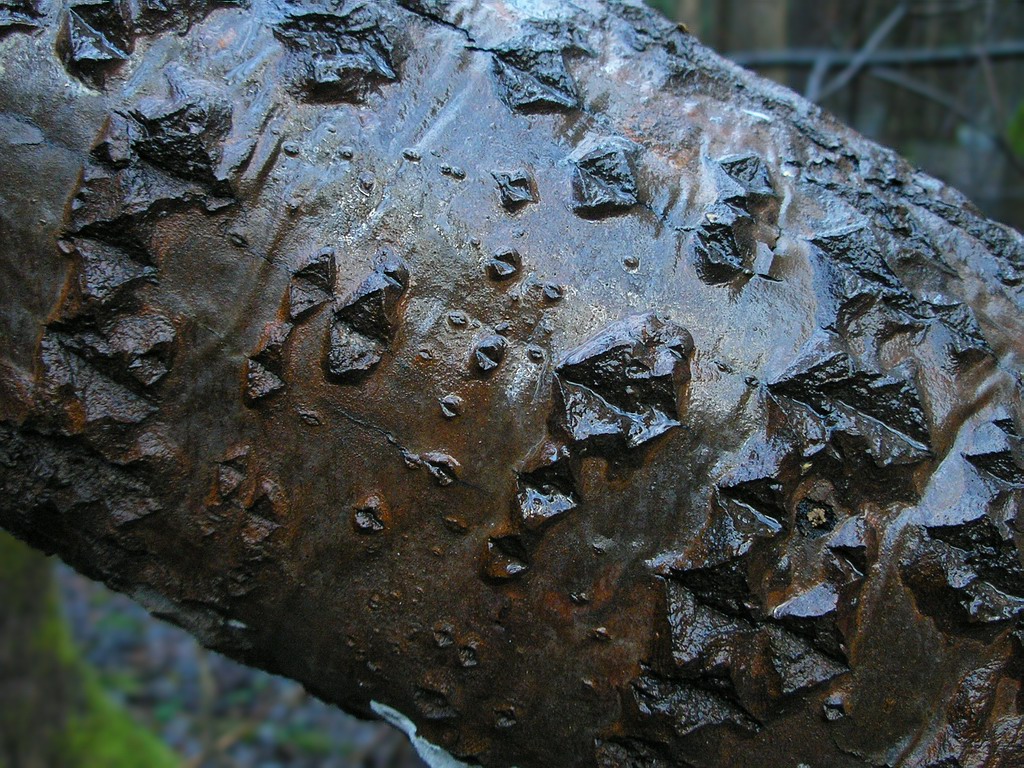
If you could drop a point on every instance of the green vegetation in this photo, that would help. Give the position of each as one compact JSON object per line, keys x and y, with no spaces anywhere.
{"x":307,"y":740}
{"x":667,"y":7}
{"x":102,"y":735}
{"x":64,"y":717}
{"x":1015,"y":131}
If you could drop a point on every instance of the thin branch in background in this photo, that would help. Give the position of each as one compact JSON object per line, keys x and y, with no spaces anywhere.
{"x":907,"y":57}
{"x":931,"y":94}
{"x":863,"y":56}
{"x":986,"y":68}
{"x":926,"y":10}
{"x":817,"y":76}
{"x":960,"y":48}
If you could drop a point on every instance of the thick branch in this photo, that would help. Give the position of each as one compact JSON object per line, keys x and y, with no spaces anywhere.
{"x":710,"y":427}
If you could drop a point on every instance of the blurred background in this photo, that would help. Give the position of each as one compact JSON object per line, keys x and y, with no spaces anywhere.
{"x":89,"y":680}
{"x":940,"y":81}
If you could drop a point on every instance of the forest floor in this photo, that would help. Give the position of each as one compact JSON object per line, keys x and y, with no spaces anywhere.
{"x":213,"y":712}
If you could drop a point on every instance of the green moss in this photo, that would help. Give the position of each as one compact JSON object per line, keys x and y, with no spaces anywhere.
{"x":122,"y":682}
{"x":72,"y":719}
{"x":118,"y":622}
{"x":1015,"y":131}
{"x":18,"y":562}
{"x":167,"y":710}
{"x":53,"y":637}
{"x":308,"y":741}
{"x":102,"y":735}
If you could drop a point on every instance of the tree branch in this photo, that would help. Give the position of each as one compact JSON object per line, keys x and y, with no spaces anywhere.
{"x":931,"y":94}
{"x":910,"y":57}
{"x":863,"y":56}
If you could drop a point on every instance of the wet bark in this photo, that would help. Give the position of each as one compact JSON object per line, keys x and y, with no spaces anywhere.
{"x":523,"y":368}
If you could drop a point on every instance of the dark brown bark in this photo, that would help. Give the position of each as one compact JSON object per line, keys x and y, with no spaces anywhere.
{"x":524,"y":368}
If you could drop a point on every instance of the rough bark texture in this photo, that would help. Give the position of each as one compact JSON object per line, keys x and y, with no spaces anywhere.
{"x":521,"y":366}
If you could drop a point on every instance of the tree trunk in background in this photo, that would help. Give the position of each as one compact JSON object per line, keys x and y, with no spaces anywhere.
{"x":52,"y":712}
{"x":737,"y":24}
{"x":756,"y":25}
{"x":36,"y":692}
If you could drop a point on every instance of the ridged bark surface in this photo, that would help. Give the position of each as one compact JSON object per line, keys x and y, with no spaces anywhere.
{"x":523,"y":367}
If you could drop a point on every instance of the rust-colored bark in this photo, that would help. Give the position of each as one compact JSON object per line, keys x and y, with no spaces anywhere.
{"x":522,"y":367}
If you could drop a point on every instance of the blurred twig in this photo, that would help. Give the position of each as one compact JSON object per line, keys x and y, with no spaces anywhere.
{"x":909,"y":57}
{"x":817,"y":76}
{"x":863,"y":56}
{"x":943,"y":9}
{"x":986,"y":67}
{"x":219,"y":747}
{"x":931,"y":94}
{"x":881,"y":64}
